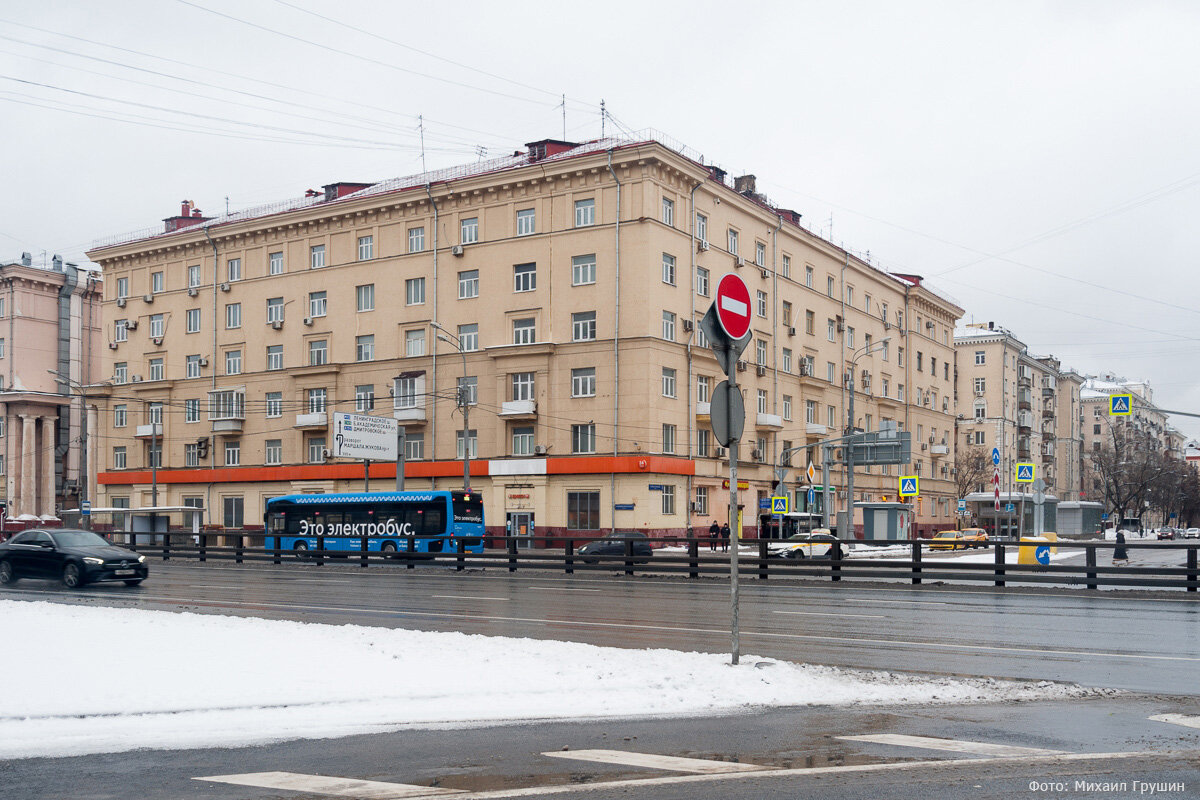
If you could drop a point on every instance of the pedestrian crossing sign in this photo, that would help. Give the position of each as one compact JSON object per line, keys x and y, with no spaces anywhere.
{"x":909,"y":485}
{"x":1026,"y":473}
{"x":779,"y":505}
{"x":1120,"y":405}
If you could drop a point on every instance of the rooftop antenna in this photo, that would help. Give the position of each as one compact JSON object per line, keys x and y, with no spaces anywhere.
{"x":226,"y":204}
{"x":480,"y":151}
{"x":564,"y":108}
{"x":603,"y":114}
{"x":421,"y":128}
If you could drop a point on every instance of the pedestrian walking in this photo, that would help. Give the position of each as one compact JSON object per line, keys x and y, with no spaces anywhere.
{"x":725,"y":538}
{"x":1119,"y":553}
{"x":714,"y":532}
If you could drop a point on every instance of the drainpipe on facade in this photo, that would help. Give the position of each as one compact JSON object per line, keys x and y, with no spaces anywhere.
{"x":775,"y":344}
{"x":908,"y":357}
{"x":62,"y":446}
{"x":612,"y":480}
{"x":842,"y":410}
{"x":691,"y":376}
{"x":434,"y":349}
{"x":212,"y":450}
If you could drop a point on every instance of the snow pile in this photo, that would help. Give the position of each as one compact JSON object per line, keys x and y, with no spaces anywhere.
{"x":110,"y":680}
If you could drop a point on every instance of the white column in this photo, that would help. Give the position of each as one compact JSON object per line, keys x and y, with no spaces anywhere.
{"x":46,"y":500}
{"x":28,"y":472}
{"x":10,"y":459}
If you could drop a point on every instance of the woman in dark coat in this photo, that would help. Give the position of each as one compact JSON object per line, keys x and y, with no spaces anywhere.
{"x":725,"y":537}
{"x":1119,"y":551}
{"x":714,"y":531}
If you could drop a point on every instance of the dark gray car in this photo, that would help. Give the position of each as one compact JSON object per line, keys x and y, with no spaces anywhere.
{"x":76,"y":557}
{"x":614,"y":545}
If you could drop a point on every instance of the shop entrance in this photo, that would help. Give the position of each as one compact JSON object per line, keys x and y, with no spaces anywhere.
{"x":520,"y":525}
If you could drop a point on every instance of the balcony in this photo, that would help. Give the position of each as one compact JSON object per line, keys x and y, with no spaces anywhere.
{"x":1048,"y":413}
{"x":227,"y":410}
{"x":409,"y":414}
{"x":815,"y":429}
{"x":519,"y":409}
{"x":703,"y":410}
{"x":230,"y":425}
{"x":769,"y":421}
{"x":1023,"y":454}
{"x":149,"y":431}
{"x":939,"y":449}
{"x":317,"y":419}
{"x":1047,"y":391}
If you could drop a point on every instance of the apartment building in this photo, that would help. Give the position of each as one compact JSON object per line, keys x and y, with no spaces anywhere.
{"x":49,"y":328}
{"x":570,"y":278}
{"x":1026,"y":406}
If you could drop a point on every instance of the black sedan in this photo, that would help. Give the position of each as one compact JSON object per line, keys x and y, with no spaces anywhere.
{"x":614,"y":545}
{"x":75,"y":557}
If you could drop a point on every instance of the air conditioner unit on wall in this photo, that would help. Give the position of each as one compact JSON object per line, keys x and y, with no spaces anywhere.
{"x":225,"y":286}
{"x":203,"y":362}
{"x":158,"y":340}
{"x":136,"y":379}
{"x":701,"y":245}
{"x":277,"y":324}
{"x":739,"y":262}
{"x":112,"y":345}
{"x":539,"y":449}
{"x":765,"y":274}
{"x":121,"y":302}
{"x":687,"y":325}
{"x":456,"y":250}
{"x":131,"y":325}
{"x":791,"y":331}
{"x":193,"y":291}
{"x":149,"y":298}
{"x":308,"y":320}
{"x":741,"y":366}
{"x":756,"y":455}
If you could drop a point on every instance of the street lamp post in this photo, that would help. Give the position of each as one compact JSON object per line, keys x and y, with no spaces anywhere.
{"x":463,"y":402}
{"x":862,"y":351}
{"x":83,"y":440}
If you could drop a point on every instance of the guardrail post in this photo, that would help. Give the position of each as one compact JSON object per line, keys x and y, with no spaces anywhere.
{"x":916,"y":557}
{"x":320,"y":551}
{"x":1192,"y":575}
{"x":835,"y":562}
{"x":628,"y":556}
{"x":762,"y":559}
{"x":412,"y":548}
{"x":999,"y":564}
{"x":462,"y":548}
{"x":363,"y":545}
{"x":693,"y":558}
{"x":166,"y":551}
{"x":511,"y":543}
{"x":132,"y":541}
{"x":569,"y":554}
{"x":1091,"y":565}
{"x":203,"y":547}
{"x":241,"y":548}
{"x":278,"y":549}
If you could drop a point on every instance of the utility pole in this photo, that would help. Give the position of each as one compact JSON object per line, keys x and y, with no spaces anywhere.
{"x":463,"y":399}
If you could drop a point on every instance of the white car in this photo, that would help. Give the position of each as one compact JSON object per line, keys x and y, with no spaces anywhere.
{"x":818,"y":544}
{"x":1192,"y":533}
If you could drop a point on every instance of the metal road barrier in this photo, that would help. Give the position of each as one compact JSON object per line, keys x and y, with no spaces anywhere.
{"x":693,"y":558}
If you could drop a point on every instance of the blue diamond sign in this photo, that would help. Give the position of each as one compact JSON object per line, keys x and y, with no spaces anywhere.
{"x":1120,"y":405}
{"x":909,"y":485}
{"x":779,"y":505}
{"x":1026,"y":472}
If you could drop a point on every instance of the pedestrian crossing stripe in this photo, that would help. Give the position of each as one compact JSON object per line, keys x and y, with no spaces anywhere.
{"x":909,"y":485}
{"x":1120,"y":405}
{"x":1026,"y":473}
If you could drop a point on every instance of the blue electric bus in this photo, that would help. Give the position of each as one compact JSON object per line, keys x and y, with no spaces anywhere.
{"x":436,"y":521}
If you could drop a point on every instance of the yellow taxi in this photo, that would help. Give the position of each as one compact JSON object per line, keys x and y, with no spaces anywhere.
{"x":948,"y":540}
{"x":975,"y":537}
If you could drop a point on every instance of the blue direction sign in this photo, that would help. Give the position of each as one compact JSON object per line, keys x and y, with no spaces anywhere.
{"x":623,"y":507}
{"x":996,"y":456}
{"x":763,"y":504}
{"x":779,"y":505}
{"x":909,"y":485}
{"x":1009,"y":508}
{"x":85,"y":508}
{"x":1026,"y":472}
{"x":1042,"y":554}
{"x":1104,"y":517}
{"x":1120,"y":405}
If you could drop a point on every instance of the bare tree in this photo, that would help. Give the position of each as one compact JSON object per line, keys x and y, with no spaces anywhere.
{"x":972,"y":467}
{"x":1127,"y":467}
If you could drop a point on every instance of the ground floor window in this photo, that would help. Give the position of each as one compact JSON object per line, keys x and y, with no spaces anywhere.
{"x":583,"y":511}
{"x":234,"y":509}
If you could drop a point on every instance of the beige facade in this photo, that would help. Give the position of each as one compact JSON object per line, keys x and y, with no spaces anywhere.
{"x":574,"y":278}
{"x":49,"y":323}
{"x":1145,"y":418}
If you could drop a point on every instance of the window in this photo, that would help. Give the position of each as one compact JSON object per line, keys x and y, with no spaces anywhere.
{"x":522,"y":441}
{"x":830,"y":372}
{"x":366,"y":248}
{"x":233,"y":362}
{"x":668,"y":269}
{"x":193,"y":276}
{"x":233,"y":315}
{"x":156,"y":282}
{"x":787,"y":407}
{"x":702,"y":228}
{"x":274,"y":357}
{"x":364,"y":347}
{"x":468,"y":336}
{"x":318,"y":352}
{"x":760,"y":254}
{"x":702,"y":281}
{"x":808,"y":277}
{"x":980,"y":385}
{"x":233,"y":508}
{"x":193,"y":320}
{"x":156,"y":369}
{"x":274,"y":404}
{"x":760,"y":352}
{"x":883,"y":350}
{"x":733,"y":241}
{"x":808,"y":365}
{"x":316,"y":449}
{"x":414,"y":291}
{"x":316,"y":255}
{"x":156,"y":325}
{"x":831,"y":330}
{"x":120,"y":415}
{"x":1095,"y":429}
{"x":900,"y":356}
{"x":583,"y":270}
{"x":122,"y":287}
{"x":583,"y":326}
{"x":317,"y":305}
{"x":668,"y":326}
{"x":979,"y":437}
{"x":585,"y":213}
{"x":118,"y":458}
{"x":416,"y":239}
{"x":885,"y":387}
{"x":829,"y":284}
{"x":787,"y":266}
{"x":193,"y":367}
{"x":468,"y":387}
{"x":702,"y":389}
{"x":233,"y":453}
{"x":920,"y":361}
{"x":583,"y":382}
{"x":414,"y":446}
{"x":583,"y":438}
{"x":787,"y":360}
{"x":668,"y":382}
{"x":191,"y":454}
{"x":762,"y":303}
{"x":121,"y":330}
{"x":273,"y":452}
{"x":274,"y":309}
{"x":900,"y":392}
{"x":275,"y":264}
{"x":980,"y":357}
{"x":933,"y":366}
{"x":468,"y":230}
{"x":945,"y":370}
{"x":364,"y":398}
{"x":668,"y":438}
{"x":831,"y":416}
{"x":316,"y":401}
{"x":583,"y":511}
{"x":414,"y":343}
{"x":524,"y":330}
{"x":786,"y":311}
{"x":526,"y":222}
{"x":472,"y":442}
{"x":668,"y":500}
{"x":850,"y":337}
{"x":522,"y":386}
{"x":850,"y":295}
{"x":668,"y":212}
{"x":762,"y":401}
{"x":120,"y":372}
{"x":468,"y":284}
{"x":524,"y":277}
{"x":810,"y":319}
{"x":233,"y":269}
{"x":703,"y":435}
{"x":191,"y":410}
{"x":364,"y":297}
{"x":867,"y":303}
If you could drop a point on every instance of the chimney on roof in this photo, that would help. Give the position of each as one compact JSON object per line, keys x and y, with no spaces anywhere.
{"x":188,"y":215}
{"x":991,"y":326}
{"x":745,"y":185}
{"x":333,"y":191}
{"x":789,"y":215}
{"x":716,"y":173}
{"x":57,"y":262}
{"x":545,"y":148}
{"x":26,"y":259}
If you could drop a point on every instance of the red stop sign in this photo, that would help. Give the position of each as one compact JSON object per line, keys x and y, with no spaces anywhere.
{"x":733,"y":306}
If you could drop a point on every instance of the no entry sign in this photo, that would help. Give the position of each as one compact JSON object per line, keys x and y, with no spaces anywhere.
{"x":733,"y":306}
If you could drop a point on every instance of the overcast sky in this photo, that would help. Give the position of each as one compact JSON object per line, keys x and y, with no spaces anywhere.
{"x":1036,"y":162}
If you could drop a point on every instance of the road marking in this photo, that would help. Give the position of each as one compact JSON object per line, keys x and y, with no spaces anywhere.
{"x":1178,"y":719}
{"x":911,"y":602}
{"x":561,"y":589}
{"x":952,"y":745}
{"x":826,"y":614}
{"x":212,"y":586}
{"x":338,"y":787}
{"x":462,"y":597}
{"x":673,"y":763}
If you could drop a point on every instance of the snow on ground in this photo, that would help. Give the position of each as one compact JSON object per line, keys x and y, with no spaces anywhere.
{"x":100,"y":680}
